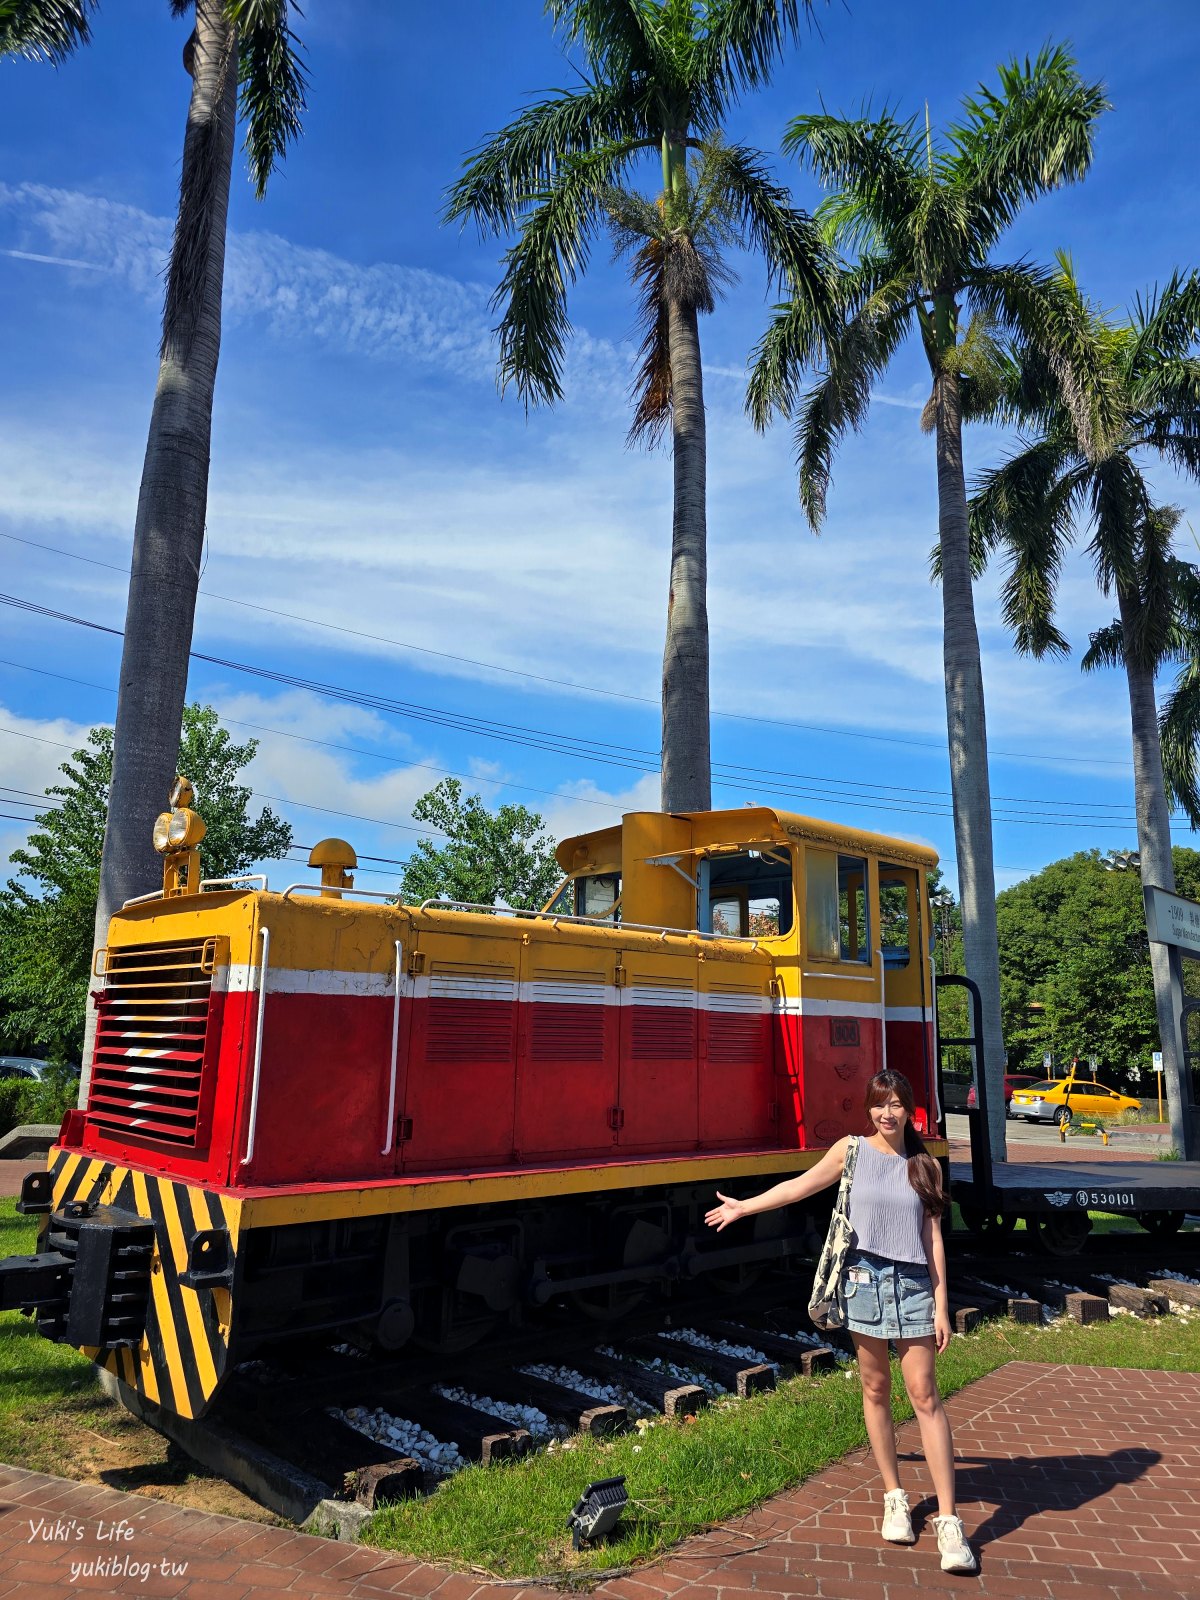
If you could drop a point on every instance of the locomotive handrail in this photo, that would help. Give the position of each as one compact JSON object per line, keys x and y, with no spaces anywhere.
{"x":265,"y":935}
{"x":140,"y":899}
{"x":229,"y":883}
{"x":391,"y":1110}
{"x":338,"y":894}
{"x":555,"y":917}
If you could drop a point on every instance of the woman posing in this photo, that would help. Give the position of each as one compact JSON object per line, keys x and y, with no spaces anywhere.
{"x":895,"y":1289}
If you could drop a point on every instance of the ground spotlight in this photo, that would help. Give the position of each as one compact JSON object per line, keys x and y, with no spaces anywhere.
{"x":598,"y":1510}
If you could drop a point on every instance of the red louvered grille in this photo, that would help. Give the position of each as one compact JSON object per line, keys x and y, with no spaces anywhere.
{"x":153,"y":1022}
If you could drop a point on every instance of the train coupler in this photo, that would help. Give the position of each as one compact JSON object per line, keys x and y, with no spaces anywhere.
{"x":89,"y":1285}
{"x":34,"y":1283}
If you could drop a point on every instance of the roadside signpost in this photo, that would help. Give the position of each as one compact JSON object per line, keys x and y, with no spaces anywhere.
{"x":1157,"y":1062}
{"x":1174,"y":921}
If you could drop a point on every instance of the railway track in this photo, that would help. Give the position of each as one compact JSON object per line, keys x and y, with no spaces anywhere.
{"x":374,"y":1430}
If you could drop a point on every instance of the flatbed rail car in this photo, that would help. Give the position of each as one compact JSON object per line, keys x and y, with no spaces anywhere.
{"x":1056,"y":1198}
{"x":314,"y":1110}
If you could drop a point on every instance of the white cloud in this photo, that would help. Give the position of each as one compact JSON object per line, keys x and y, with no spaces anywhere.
{"x":383,"y":310}
{"x":31,"y":751}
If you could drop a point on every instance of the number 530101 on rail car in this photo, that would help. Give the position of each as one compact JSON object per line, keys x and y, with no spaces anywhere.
{"x":322,"y":1110}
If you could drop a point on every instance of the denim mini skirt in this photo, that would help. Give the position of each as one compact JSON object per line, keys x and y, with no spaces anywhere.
{"x":887,"y":1299}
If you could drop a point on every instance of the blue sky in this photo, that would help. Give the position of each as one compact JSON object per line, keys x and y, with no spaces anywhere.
{"x":433,"y":544}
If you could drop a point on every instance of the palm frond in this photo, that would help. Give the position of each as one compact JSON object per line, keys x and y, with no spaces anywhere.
{"x":506,"y":174}
{"x":1032,"y":134}
{"x":1120,"y":506}
{"x":1044,"y":310}
{"x":840,"y":400}
{"x":878,"y":162}
{"x":272,"y":82}
{"x":1005,"y":499}
{"x":44,"y":30}
{"x":1106,"y":648}
{"x":743,"y":40}
{"x":1155,"y":634}
{"x":1179,"y":734}
{"x":551,"y":250}
{"x":613,"y":35}
{"x":651,"y":387}
{"x":788,"y":239}
{"x":1165,"y":324}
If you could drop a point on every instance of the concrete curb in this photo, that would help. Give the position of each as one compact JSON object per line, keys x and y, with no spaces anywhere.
{"x":28,"y":1139}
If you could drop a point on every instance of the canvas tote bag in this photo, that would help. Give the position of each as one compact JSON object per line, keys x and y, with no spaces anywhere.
{"x":827,"y":1306}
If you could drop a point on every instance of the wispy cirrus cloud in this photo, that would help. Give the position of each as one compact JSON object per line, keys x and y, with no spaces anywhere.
{"x":383,"y":310}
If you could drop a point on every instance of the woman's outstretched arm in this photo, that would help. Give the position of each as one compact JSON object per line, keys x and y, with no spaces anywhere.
{"x":828,"y":1170}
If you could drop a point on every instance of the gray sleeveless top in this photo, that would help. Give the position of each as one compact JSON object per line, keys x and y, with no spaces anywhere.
{"x":885,"y":1210}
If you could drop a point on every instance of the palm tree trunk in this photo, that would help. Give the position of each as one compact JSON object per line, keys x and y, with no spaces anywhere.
{"x":1154,"y":849}
{"x":168,"y":533}
{"x":966,"y":730}
{"x":686,"y":774}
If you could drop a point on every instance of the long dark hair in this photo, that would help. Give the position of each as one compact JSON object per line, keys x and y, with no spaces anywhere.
{"x":923,"y":1171}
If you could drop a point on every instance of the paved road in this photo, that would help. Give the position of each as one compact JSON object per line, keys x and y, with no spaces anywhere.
{"x":957,"y":1127}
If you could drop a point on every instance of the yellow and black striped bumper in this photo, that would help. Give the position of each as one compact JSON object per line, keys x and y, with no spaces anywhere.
{"x":184,"y":1350}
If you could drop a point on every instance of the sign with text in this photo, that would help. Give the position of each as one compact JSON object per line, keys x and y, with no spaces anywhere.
{"x":1170,"y":919}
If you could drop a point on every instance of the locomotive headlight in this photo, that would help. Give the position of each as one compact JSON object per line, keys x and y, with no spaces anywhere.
{"x":184,"y":829}
{"x":161,"y":834}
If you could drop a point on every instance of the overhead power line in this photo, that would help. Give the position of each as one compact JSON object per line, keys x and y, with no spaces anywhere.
{"x":627,"y":757}
{"x":564,"y":683}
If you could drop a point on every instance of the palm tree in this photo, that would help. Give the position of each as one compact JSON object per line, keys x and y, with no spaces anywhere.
{"x":236,"y":46}
{"x":1036,"y":502}
{"x":919,"y":219}
{"x":661,"y":75}
{"x":44,"y":30}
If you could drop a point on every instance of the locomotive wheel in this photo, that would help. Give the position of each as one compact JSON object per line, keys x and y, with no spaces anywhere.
{"x":1161,"y":1223}
{"x":1061,"y":1235}
{"x":988,"y":1224}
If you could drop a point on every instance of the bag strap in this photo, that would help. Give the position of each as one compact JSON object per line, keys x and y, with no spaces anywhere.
{"x":843,"y":1195}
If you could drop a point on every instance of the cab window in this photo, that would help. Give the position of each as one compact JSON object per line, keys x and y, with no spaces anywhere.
{"x":746,"y":894}
{"x":895,"y":916}
{"x":837,"y":919}
{"x":597,"y":895}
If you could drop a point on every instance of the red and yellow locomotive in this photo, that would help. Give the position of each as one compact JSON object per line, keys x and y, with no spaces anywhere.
{"x":318,"y":1110}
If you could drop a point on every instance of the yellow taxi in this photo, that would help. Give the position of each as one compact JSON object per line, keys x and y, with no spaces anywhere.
{"x":1058,"y":1099}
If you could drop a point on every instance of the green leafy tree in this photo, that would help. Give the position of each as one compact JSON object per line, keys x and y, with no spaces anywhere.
{"x":1061,"y":483}
{"x":48,"y":912}
{"x":659,"y":77}
{"x":918,"y":219}
{"x":1075,"y":967}
{"x":490,"y":858}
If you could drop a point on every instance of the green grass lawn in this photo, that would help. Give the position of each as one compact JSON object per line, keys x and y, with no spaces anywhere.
{"x":682,"y":1476}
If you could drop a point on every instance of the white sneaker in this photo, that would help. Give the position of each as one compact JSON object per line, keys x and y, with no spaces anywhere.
{"x":957,"y":1555}
{"x":897,"y":1524}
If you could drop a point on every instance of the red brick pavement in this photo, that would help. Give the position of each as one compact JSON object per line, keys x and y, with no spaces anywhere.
{"x":11,"y":1173}
{"x":1075,"y":1483}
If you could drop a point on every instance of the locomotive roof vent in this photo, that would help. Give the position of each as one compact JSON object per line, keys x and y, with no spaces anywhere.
{"x":335,"y":858}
